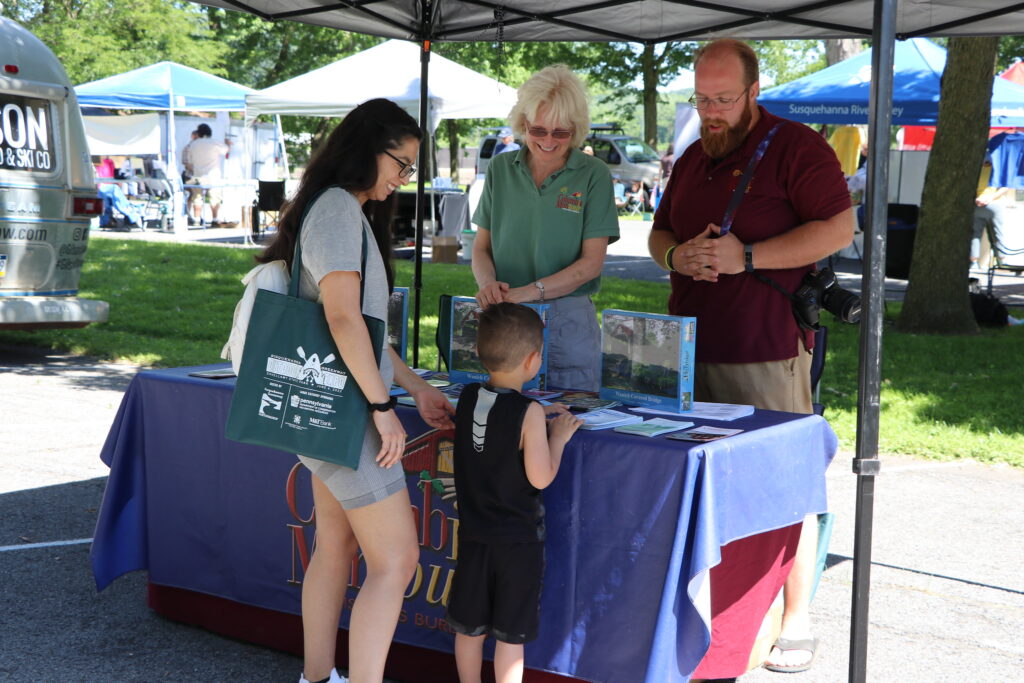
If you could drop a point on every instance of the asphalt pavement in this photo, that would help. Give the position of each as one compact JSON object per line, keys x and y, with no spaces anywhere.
{"x":946,"y":597}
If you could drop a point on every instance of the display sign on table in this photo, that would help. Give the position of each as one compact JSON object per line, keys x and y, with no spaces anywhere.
{"x":647,"y":359}
{"x":398,"y":320}
{"x":465,"y":364}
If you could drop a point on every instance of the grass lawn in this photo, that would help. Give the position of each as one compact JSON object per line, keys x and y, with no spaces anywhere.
{"x":942,"y":397}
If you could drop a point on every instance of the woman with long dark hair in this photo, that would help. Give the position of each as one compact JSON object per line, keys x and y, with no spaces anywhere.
{"x":342,"y":200}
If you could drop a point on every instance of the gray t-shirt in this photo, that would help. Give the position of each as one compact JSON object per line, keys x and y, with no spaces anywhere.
{"x":331,"y":238}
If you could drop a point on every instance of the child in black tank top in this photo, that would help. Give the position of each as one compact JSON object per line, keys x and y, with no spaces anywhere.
{"x":505,"y":452}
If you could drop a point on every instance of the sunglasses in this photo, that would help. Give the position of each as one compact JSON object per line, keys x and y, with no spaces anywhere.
{"x":406,"y":170}
{"x":557,"y":133}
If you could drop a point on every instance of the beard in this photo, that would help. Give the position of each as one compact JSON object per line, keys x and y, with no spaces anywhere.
{"x":719,"y":145}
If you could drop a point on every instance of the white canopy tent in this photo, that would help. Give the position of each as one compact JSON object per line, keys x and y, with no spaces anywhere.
{"x":390,"y":70}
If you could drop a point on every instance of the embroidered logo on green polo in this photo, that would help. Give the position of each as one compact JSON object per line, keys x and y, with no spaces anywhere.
{"x":569,"y":202}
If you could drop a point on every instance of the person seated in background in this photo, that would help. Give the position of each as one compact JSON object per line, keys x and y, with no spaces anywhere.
{"x":988,"y":212}
{"x":105,"y":169}
{"x":619,"y":192}
{"x":636,"y":195}
{"x":506,"y":143}
{"x":114,"y":198}
{"x":588,"y":150}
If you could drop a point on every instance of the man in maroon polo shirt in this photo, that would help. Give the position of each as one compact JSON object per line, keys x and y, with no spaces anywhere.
{"x":796,"y":211}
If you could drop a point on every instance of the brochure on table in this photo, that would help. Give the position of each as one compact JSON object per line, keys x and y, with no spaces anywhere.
{"x":465,"y":364}
{"x":398,"y":320}
{"x":647,"y":359}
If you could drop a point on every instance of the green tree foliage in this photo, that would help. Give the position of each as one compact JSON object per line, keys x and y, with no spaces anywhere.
{"x":615,"y":68}
{"x":1011,"y":49}
{"x":99,"y":38}
{"x":262,"y":53}
{"x":787,"y":60}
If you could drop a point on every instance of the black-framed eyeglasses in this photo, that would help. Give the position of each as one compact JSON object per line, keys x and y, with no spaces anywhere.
{"x":406,"y":170}
{"x":699,"y":102}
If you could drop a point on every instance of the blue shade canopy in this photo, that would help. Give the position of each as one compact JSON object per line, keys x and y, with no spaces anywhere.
{"x":164,"y":85}
{"x":839,"y":93}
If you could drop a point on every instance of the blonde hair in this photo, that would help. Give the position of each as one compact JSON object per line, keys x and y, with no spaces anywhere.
{"x":561,"y":93}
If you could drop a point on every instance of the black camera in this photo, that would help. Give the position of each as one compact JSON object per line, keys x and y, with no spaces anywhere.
{"x":821,"y":290}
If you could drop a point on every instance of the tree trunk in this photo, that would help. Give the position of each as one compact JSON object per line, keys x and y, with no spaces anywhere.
{"x":650,"y":95}
{"x":937,"y":298}
{"x":841,"y":49}
{"x":453,"y":148}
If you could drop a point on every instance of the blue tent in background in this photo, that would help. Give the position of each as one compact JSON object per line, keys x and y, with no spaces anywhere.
{"x":839,"y":94}
{"x":165,"y":86}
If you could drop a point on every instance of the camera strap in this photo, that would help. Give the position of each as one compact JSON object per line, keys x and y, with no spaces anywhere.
{"x":741,"y":187}
{"x":737,"y":197}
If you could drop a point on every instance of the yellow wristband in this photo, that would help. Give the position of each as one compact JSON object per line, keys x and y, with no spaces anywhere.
{"x":668,"y":258}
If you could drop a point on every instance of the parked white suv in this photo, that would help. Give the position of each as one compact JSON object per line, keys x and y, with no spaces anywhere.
{"x":631,"y":158}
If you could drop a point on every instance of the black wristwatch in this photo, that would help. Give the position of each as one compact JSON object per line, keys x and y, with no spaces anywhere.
{"x":748,"y":257}
{"x":385,"y":406}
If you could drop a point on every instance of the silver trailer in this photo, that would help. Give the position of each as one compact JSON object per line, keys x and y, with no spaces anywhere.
{"x":47,"y":190}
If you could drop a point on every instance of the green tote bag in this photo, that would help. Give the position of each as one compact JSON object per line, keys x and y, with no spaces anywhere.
{"x":294,"y":392}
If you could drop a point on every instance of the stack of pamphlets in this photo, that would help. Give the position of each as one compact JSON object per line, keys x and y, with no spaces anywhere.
{"x":541,"y":394}
{"x":704,"y":433}
{"x":586,"y":400}
{"x":607,"y":418}
{"x":656,"y":426}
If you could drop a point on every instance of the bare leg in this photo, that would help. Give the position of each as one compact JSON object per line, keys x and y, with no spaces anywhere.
{"x":508,"y":663}
{"x":469,"y":657}
{"x":796,"y":617}
{"x":323,"y":588}
{"x":387,"y":536}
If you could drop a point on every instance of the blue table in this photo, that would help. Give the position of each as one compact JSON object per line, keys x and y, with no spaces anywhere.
{"x":635,"y":525}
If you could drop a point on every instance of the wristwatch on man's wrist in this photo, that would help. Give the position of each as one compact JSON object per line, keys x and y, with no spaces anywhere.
{"x":540,"y":285}
{"x":748,"y":258}
{"x":385,"y":406}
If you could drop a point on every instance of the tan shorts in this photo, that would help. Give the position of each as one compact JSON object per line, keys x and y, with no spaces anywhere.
{"x":197,"y":194}
{"x":774,"y":385}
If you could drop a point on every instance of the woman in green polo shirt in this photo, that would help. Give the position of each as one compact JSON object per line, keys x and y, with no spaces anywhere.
{"x":545,"y":219}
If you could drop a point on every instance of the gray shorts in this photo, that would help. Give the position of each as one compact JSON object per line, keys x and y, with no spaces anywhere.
{"x":369,"y":483}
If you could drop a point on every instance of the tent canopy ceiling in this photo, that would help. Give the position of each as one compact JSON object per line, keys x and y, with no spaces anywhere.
{"x":164,"y":86}
{"x":391,"y":70}
{"x":645,"y":21}
{"x":839,"y":94}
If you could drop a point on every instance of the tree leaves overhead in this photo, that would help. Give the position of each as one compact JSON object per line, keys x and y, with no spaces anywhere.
{"x":260,"y":53}
{"x":99,"y":38}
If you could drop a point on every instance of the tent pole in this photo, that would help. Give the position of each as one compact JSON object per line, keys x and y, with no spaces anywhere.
{"x":866,"y":464}
{"x":178,"y":200}
{"x":279,"y":148}
{"x":417,"y":281}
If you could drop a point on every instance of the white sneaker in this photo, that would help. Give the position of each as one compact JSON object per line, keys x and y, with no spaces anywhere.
{"x":335,"y":677}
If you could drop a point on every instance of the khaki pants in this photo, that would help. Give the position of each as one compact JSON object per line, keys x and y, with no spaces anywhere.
{"x":774,"y":385}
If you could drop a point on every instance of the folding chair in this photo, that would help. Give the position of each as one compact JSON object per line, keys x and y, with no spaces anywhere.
{"x":1003,"y":257}
{"x":157,"y":209}
{"x":443,"y":337}
{"x":269,"y":199}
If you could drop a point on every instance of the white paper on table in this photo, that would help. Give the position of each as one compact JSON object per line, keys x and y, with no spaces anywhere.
{"x":723,"y":412}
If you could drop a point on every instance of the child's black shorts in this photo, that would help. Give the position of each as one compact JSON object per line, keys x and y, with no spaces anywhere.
{"x":496,"y":590}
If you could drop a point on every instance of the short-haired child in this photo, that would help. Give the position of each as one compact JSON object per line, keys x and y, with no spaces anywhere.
{"x":505,"y":452}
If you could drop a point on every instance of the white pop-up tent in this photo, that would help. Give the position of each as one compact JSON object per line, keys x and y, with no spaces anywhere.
{"x":391,"y":70}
